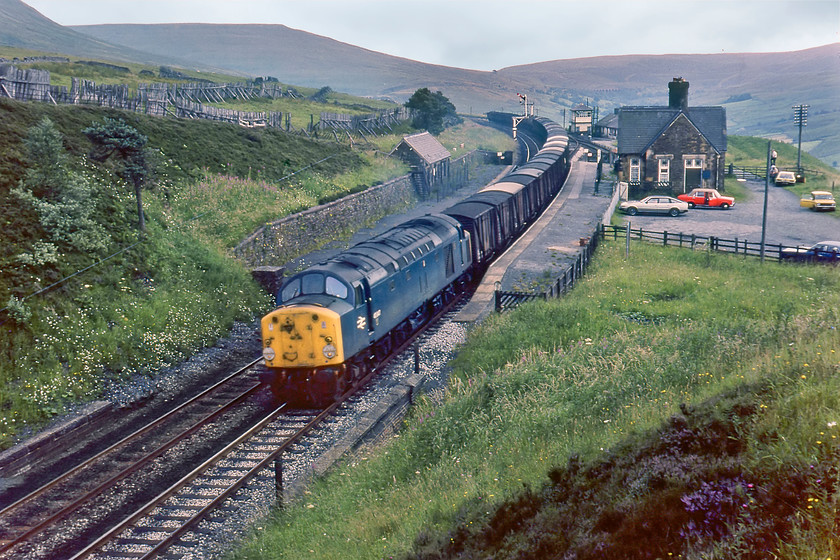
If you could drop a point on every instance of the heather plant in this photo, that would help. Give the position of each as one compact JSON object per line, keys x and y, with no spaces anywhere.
{"x":572,"y":429}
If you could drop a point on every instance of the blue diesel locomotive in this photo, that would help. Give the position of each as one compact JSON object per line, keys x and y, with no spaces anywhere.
{"x":336,"y":317}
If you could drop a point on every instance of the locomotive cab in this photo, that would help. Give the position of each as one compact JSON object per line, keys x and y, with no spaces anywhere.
{"x":303,"y":344}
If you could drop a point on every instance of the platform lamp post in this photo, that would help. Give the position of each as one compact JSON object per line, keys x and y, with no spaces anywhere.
{"x":800,"y":117}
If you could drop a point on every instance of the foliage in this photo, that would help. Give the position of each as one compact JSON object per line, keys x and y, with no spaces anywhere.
{"x":114,"y":136}
{"x":65,"y":201}
{"x":677,"y":404}
{"x":433,"y":111}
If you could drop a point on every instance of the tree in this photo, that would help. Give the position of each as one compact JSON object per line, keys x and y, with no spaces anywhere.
{"x":433,"y":111}
{"x":64,"y":200}
{"x":114,"y":136}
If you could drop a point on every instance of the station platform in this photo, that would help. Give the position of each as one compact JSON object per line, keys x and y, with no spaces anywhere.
{"x":550,"y":245}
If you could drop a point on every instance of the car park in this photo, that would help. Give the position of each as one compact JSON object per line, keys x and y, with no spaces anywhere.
{"x":785,"y":178}
{"x":824,"y":251}
{"x":818,"y":200}
{"x":710,"y":198}
{"x":656,"y":204}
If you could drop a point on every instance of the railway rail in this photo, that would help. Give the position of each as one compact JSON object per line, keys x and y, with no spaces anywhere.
{"x":66,"y":500}
{"x":64,"y":518}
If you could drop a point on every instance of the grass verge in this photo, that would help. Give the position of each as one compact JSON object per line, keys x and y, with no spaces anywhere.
{"x":678,"y":404}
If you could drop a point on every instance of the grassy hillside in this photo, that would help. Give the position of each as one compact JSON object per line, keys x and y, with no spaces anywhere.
{"x":676,"y":404}
{"x":75,"y":320}
{"x":131,"y":310}
{"x":749,"y":151}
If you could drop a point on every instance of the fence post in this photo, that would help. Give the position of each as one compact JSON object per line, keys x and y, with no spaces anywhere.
{"x":278,"y":480}
{"x":665,"y":238}
{"x":627,"y":242}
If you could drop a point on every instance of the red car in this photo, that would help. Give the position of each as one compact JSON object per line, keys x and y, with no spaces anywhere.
{"x":707,"y":197}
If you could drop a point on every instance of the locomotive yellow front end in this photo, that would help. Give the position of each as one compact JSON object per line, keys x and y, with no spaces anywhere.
{"x":303,"y":351}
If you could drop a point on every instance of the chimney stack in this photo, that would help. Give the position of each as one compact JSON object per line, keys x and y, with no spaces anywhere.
{"x":678,"y":94}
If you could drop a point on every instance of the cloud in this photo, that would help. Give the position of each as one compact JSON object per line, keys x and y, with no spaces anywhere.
{"x":491,"y":34}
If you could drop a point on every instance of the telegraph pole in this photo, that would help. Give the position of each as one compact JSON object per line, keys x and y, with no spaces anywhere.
{"x":800,"y":117}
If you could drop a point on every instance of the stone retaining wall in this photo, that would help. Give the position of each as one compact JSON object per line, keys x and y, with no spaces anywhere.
{"x":279,"y":242}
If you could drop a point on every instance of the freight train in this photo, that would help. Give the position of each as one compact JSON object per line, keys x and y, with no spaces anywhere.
{"x":335,"y":318}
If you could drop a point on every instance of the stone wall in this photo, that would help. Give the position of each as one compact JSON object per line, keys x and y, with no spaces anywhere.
{"x":279,"y":242}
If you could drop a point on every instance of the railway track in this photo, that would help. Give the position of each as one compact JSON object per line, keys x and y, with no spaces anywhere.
{"x":63,"y":511}
{"x":114,"y":505}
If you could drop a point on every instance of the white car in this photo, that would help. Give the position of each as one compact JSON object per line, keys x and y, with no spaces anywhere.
{"x":655,"y":204}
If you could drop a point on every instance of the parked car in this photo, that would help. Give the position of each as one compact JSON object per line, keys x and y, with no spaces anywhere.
{"x":818,"y":200}
{"x":657,"y":204}
{"x":707,"y":197}
{"x":824,"y":251}
{"x":784,"y":178}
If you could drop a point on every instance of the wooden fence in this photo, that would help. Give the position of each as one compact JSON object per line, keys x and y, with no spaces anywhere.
{"x":187,"y":100}
{"x":506,"y":300}
{"x":759,"y":173}
{"x":693,"y":241}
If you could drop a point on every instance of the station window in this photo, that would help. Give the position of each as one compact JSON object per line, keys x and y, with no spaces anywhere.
{"x":635,"y":169}
{"x":664,"y":170}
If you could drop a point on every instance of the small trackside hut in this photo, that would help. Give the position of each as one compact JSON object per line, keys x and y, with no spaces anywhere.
{"x":428,"y":158}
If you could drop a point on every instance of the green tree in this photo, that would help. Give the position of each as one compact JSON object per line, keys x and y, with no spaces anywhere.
{"x":64,"y":200}
{"x":433,"y":111}
{"x":114,"y":136}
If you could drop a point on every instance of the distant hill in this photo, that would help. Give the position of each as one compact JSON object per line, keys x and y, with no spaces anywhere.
{"x":24,"y":27}
{"x":757,"y":90}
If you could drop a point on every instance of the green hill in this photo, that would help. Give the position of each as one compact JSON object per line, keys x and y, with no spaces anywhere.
{"x":757,"y":90}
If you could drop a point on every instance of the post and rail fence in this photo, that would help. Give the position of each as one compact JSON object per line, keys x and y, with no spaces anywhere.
{"x":506,"y":300}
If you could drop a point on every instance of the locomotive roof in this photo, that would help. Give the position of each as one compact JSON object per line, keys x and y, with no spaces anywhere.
{"x":386,"y":253}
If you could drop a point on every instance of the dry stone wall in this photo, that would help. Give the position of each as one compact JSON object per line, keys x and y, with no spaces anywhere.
{"x":279,"y":242}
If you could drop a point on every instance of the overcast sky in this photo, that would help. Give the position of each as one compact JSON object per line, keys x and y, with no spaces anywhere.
{"x":473,"y":33}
